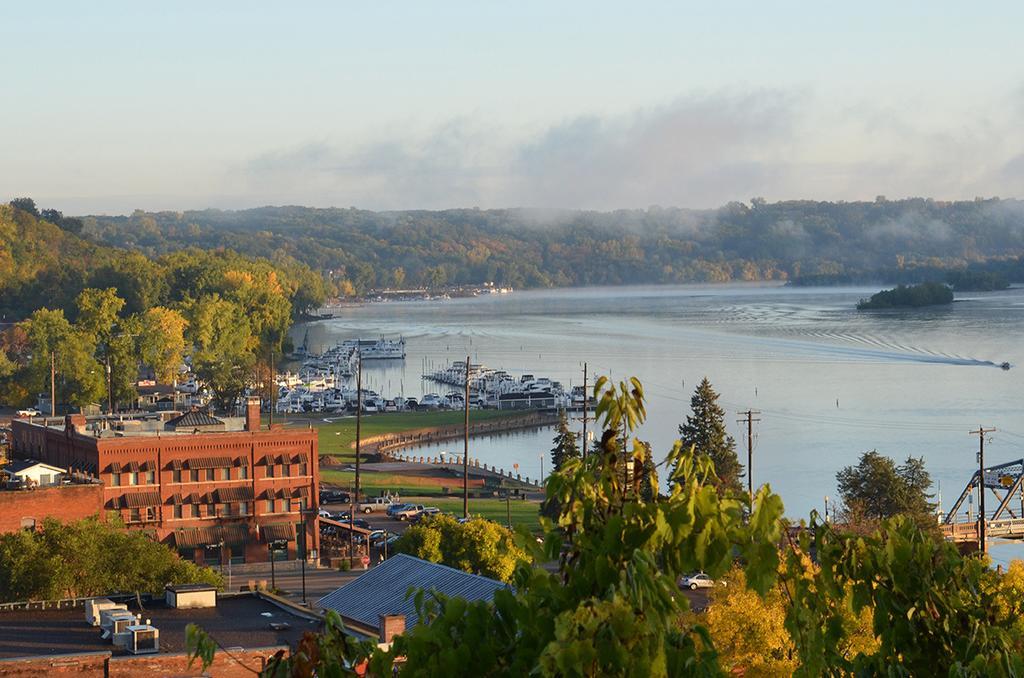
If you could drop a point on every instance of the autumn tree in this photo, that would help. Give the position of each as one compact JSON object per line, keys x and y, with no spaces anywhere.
{"x":705,"y":432}
{"x":477,"y":546}
{"x":79,"y":377}
{"x":162,"y":342}
{"x":89,"y":558}
{"x":223,"y":347}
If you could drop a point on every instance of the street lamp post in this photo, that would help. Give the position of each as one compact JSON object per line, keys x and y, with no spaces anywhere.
{"x":302,"y":546}
{"x":542,"y":468}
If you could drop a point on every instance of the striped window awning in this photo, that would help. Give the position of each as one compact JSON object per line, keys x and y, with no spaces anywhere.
{"x":148,"y":466}
{"x":277,"y":532}
{"x":175,"y":465}
{"x":114,"y":467}
{"x":130,"y":467}
{"x":196,"y":537}
{"x":226,"y":495}
{"x":241,"y":461}
{"x":301,"y":492}
{"x":209,"y":462}
{"x":298,"y":458}
{"x":140,"y":499}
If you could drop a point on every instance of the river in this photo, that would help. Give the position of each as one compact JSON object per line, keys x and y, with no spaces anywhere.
{"x":830,"y":382}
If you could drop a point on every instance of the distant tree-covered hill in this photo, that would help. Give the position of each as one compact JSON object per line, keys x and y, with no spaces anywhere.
{"x":46,"y":263}
{"x":819,"y":242}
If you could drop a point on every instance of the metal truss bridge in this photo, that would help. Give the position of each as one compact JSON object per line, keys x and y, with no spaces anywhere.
{"x":1005,"y":523}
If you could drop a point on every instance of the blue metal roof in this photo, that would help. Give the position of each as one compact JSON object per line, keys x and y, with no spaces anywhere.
{"x":382,"y":590}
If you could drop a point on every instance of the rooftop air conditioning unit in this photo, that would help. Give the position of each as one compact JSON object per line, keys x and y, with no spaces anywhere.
{"x":143,"y":639}
{"x":113,"y":622}
{"x":94,"y":606}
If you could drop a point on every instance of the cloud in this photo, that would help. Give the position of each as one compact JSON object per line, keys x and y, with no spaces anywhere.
{"x":698,"y":151}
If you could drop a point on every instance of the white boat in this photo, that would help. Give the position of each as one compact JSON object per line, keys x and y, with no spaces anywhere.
{"x":379,"y":349}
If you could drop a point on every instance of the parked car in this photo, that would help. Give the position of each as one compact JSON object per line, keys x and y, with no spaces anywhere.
{"x":409,"y":511}
{"x":378,"y":537}
{"x":334,"y":497}
{"x":427,"y":512}
{"x":29,"y":412}
{"x":323,"y":513}
{"x":699,"y":581}
{"x":376,"y":504}
{"x":395,"y":508}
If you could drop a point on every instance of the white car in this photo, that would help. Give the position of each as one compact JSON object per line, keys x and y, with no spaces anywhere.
{"x":699,"y":581}
{"x":29,"y":412}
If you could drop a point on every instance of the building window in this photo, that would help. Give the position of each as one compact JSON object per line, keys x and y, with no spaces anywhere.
{"x":286,"y":470}
{"x":209,"y":474}
{"x":287,"y":505}
{"x":238,"y":554}
{"x":225,"y":474}
{"x":150,"y":513}
{"x":270,"y":470}
{"x":302,"y":469}
{"x":224,"y":510}
{"x":243,"y":472}
{"x":115,"y":479}
{"x":176,"y":476}
{"x":151,"y":477}
{"x":187,"y":554}
{"x":134,"y":516}
{"x":211,"y":555}
{"x":194,"y":473}
{"x":195,"y":510}
{"x":243,"y":508}
{"x":28,"y":524}
{"x":133,"y":478}
{"x":302,"y":504}
{"x":177,"y":511}
{"x":270,"y":506}
{"x":211,"y":510}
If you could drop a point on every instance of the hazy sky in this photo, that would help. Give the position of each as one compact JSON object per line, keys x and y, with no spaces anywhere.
{"x":110,"y":106}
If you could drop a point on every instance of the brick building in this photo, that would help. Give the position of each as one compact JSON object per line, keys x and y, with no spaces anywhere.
{"x":25,"y":509}
{"x":215,"y":490}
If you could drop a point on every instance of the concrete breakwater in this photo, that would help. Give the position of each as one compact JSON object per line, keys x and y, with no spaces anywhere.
{"x":388,"y":443}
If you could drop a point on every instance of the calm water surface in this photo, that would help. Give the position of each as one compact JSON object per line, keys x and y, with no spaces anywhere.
{"x":831,"y":382}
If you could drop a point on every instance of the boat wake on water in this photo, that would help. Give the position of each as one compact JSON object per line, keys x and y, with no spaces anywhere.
{"x":885,"y":352}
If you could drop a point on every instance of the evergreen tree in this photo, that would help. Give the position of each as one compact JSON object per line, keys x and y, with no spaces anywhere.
{"x":877,"y":488}
{"x":565,"y":447}
{"x":704,"y":430}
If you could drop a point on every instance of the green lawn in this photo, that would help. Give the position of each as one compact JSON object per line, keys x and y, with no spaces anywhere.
{"x":336,"y":439}
{"x":523,"y":512}
{"x":373,"y":484}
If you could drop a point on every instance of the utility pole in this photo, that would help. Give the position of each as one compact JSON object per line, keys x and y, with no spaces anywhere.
{"x":586,"y":396}
{"x":110,"y":390}
{"x":465,"y":452}
{"x":749,"y":419}
{"x":359,"y":421}
{"x":273,"y":387}
{"x":982,"y":541}
{"x":53,"y":385}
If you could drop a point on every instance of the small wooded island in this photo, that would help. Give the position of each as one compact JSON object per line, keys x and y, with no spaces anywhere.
{"x":909,"y":296}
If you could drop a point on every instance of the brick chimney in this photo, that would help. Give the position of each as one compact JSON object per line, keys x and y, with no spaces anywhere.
{"x":252,"y":413}
{"x":391,"y":625}
{"x":75,"y":423}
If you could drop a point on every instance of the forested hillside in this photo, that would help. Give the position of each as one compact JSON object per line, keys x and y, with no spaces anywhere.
{"x":45,"y":265}
{"x":884,"y":240}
